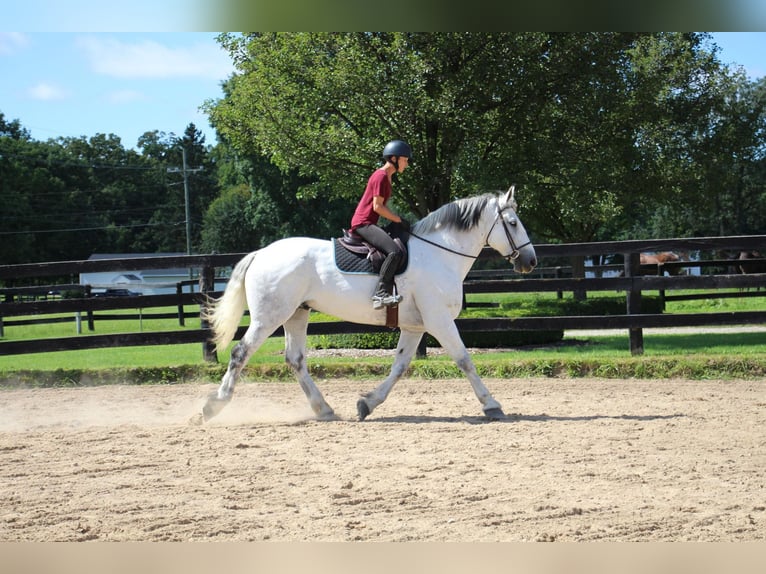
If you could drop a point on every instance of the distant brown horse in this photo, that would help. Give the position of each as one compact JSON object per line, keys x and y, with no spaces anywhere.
{"x":659,"y":259}
{"x":759,"y":267}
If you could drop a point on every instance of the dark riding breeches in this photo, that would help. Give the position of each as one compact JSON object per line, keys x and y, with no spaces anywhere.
{"x":376,"y":236}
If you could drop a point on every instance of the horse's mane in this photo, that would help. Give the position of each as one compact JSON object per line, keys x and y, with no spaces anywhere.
{"x":461,"y":214}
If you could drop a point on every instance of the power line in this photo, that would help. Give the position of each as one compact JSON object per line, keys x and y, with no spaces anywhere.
{"x":36,"y":160}
{"x":72,"y":229}
{"x":18,"y":217}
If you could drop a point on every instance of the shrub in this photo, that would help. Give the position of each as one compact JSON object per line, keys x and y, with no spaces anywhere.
{"x":498,"y":339}
{"x":593,"y":306}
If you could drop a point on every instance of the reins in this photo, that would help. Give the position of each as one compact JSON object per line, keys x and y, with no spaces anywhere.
{"x":444,"y":247}
{"x":513,"y":255}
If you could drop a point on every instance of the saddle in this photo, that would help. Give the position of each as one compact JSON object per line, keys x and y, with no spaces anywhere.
{"x":354,"y":255}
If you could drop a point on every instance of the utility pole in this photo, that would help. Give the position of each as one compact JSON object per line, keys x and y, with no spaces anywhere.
{"x":187,"y":206}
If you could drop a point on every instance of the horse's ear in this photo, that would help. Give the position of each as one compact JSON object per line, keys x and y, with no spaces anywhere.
{"x":510,"y":197}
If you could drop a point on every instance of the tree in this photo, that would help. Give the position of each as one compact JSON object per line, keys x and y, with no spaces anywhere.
{"x":585,"y":122}
{"x":167,"y":225}
{"x":226,"y":228}
{"x":260,"y":204}
{"x":731,"y":154}
{"x":718,"y":164}
{"x":70,"y":197}
{"x":326,"y":104}
{"x":12,"y":129}
{"x":21,"y":179}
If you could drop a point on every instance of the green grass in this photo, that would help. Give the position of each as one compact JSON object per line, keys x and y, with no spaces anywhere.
{"x":532,"y":300}
{"x":665,"y":355}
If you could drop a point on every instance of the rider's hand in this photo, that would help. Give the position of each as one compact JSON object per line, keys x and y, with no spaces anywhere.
{"x":404,"y":225}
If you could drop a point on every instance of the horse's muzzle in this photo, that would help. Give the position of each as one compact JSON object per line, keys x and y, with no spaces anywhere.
{"x":524,"y":265}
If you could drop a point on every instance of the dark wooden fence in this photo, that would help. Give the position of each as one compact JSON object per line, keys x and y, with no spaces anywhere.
{"x":553,"y":278}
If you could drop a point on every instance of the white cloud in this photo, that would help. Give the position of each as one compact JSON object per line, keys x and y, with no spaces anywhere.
{"x":150,"y":59}
{"x":10,"y":42}
{"x":47,"y":92}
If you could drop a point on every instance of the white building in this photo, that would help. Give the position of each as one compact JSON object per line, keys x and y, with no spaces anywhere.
{"x":144,"y":281}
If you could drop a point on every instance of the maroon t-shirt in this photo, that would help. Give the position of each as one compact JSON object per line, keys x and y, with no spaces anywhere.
{"x":378,"y":184}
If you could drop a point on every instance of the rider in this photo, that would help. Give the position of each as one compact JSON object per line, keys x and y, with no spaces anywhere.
{"x":396,"y":155}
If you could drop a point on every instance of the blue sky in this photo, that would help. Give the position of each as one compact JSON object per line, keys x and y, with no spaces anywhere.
{"x":61,"y":84}
{"x":747,"y":49}
{"x":67,"y":84}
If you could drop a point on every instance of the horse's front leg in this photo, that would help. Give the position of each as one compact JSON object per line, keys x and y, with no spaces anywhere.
{"x":450,"y":340}
{"x":405,"y":349}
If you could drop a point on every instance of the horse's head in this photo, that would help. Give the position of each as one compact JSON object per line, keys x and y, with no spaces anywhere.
{"x":508,"y":236}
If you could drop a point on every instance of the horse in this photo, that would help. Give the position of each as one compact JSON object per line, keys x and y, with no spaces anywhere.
{"x":282,"y":282}
{"x":660,"y":259}
{"x":657,"y":259}
{"x":746,"y":268}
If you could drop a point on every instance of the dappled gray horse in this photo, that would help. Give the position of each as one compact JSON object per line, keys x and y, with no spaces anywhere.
{"x":282,"y":282}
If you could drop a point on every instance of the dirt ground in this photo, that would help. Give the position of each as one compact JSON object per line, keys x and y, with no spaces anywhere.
{"x":577,"y":460}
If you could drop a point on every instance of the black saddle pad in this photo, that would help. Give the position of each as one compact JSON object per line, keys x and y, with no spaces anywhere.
{"x":349,"y":262}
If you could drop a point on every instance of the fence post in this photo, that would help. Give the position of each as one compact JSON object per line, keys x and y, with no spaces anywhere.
{"x":661,"y":273}
{"x":206,"y":285}
{"x":578,"y":272}
{"x":633,"y":302}
{"x":89,"y":313}
{"x":8,"y":299}
{"x":179,"y":294}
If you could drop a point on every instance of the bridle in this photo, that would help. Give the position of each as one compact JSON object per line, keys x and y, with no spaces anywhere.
{"x":515,"y":250}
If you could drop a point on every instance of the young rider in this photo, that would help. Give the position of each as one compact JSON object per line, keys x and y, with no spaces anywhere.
{"x":372,"y":205}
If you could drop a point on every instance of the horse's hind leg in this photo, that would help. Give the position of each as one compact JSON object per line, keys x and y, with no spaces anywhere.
{"x":295,"y":357}
{"x":405,"y":349}
{"x":240,"y":354}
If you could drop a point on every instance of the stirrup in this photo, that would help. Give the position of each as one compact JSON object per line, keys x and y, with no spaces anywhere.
{"x":385,"y":300}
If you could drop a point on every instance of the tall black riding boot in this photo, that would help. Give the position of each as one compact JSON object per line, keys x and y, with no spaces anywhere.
{"x":384,"y":293}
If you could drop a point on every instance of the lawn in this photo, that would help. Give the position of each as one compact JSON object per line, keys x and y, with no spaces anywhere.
{"x":746,"y":350}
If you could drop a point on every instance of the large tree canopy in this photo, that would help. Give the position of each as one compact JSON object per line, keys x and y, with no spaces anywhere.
{"x":583,"y":121}
{"x":326,"y":104}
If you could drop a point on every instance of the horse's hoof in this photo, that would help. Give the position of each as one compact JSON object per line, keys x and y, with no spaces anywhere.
{"x":328,"y":417}
{"x":213,"y":406}
{"x":196,"y":420}
{"x":495,"y":414}
{"x":362,"y":409}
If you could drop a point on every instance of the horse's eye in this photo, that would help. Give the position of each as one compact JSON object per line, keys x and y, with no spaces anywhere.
{"x":512,"y":221}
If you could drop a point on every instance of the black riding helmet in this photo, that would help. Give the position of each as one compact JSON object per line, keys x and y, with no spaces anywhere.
{"x":397,"y":148}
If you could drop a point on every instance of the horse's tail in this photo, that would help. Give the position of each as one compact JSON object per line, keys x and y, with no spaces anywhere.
{"x":225,"y":313}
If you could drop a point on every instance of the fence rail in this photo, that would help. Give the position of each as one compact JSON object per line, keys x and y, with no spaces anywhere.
{"x":633,"y":283}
